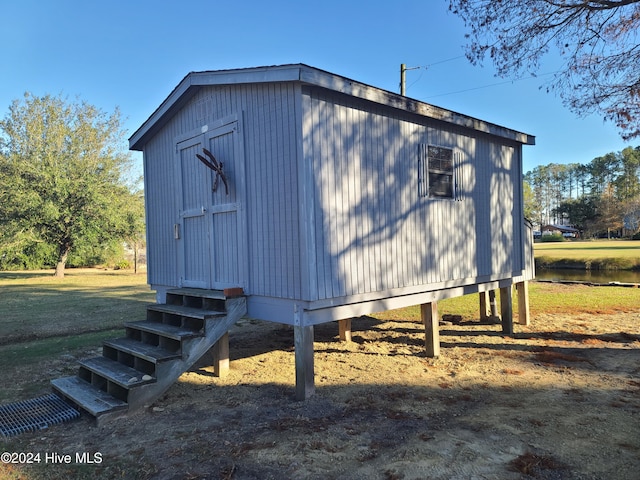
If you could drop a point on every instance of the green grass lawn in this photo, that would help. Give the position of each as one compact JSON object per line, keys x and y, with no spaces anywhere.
{"x":37,"y":309}
{"x":601,"y":254}
{"x":36,"y":305}
{"x":44,"y":320}
{"x":544,"y":298}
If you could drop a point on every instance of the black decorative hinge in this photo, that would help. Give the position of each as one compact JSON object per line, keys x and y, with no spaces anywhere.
{"x":216,"y":166}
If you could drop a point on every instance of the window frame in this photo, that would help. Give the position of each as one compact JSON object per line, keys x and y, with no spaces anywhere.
{"x":426,"y":170}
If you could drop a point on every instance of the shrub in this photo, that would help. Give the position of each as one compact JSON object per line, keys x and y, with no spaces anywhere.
{"x":122,"y":265}
{"x":33,"y":256}
{"x":556,"y":237}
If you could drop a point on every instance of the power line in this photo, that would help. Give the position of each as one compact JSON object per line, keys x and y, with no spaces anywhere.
{"x":491,"y":85}
{"x":443,"y":61}
{"x":404,"y":68}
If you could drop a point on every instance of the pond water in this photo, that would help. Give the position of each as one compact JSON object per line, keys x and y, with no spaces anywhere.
{"x":595,"y":276}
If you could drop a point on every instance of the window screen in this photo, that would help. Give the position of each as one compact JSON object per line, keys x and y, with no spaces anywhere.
{"x":436,"y":172}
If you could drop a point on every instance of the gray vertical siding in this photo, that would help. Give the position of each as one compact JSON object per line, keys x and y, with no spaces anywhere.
{"x":332,"y":207}
{"x":161,"y":204}
{"x":372,"y":231}
{"x":270,"y":152}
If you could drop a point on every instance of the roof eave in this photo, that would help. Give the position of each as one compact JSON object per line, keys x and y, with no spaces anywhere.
{"x":189,"y":86}
{"x":178,"y":97}
{"x":360,"y":90}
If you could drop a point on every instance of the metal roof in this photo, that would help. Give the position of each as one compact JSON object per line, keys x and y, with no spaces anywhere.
{"x":305,"y":74}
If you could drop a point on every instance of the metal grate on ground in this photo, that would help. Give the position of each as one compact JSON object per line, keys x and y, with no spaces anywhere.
{"x":35,"y":414}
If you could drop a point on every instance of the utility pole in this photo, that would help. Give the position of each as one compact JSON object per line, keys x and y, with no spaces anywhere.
{"x":403,"y":71}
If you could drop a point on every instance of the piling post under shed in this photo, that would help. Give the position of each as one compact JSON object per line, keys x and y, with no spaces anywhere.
{"x":429,"y":314}
{"x":506,"y":309}
{"x":524,"y":318}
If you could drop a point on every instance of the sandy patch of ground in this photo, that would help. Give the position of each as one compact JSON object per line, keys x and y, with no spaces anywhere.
{"x":558,"y":400}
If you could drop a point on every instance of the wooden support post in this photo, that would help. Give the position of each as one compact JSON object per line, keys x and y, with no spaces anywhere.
{"x":493,"y":304}
{"x":220,"y":353}
{"x":523,"y":303}
{"x":484,"y":303}
{"x":506,"y":310}
{"x":429,"y":313}
{"x":303,"y":340}
{"x":344,"y":327}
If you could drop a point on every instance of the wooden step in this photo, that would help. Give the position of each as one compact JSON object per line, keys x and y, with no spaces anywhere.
{"x":87,"y":397}
{"x":115,"y":372}
{"x":165,"y":345}
{"x":147,"y":352}
{"x":196,"y":292}
{"x":169,"y":331}
{"x":191,"y":312}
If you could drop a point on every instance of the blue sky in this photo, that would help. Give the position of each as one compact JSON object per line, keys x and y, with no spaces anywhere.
{"x":131,"y":54}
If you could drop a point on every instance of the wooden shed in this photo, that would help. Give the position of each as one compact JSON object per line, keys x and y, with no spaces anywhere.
{"x":324,"y":198}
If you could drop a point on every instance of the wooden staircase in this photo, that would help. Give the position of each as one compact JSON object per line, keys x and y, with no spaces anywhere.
{"x":137,"y":369}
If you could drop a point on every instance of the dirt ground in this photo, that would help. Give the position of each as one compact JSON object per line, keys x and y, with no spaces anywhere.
{"x":558,"y":400}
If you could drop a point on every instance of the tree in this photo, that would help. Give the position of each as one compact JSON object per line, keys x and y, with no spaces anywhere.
{"x":583,"y":175}
{"x":531,"y":206}
{"x":607,"y":193}
{"x":581,"y":212}
{"x":62,"y":176}
{"x":628,"y":181}
{"x":134,"y":227}
{"x":604,"y":171}
{"x":596,"y":39}
{"x":558,"y":174}
{"x":631,"y":211}
{"x":538,"y":178}
{"x":609,"y":212}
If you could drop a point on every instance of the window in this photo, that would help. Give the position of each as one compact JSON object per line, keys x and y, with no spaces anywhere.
{"x":436,"y":172}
